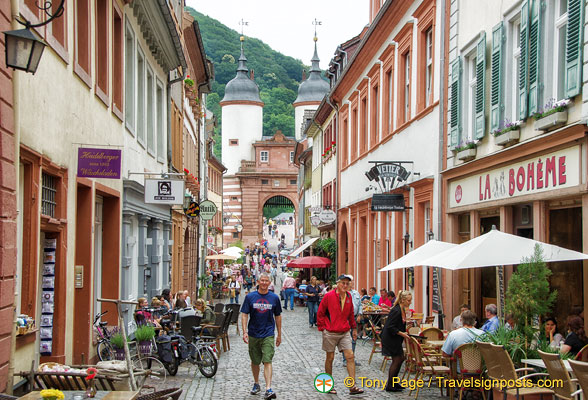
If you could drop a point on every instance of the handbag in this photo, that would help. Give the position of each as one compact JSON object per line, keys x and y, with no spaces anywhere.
{"x":232,"y":292}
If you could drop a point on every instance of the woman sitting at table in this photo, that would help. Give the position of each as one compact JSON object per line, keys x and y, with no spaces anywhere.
{"x":576,"y":338}
{"x":142,"y":316}
{"x":551,"y":335}
{"x":393,"y":335}
{"x":206,"y":313}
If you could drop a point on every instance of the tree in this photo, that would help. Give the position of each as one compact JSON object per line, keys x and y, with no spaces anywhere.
{"x":328,"y":248}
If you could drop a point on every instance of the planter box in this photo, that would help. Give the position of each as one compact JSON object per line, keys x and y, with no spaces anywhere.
{"x":552,"y":121}
{"x":507,"y":138}
{"x":466,"y":154}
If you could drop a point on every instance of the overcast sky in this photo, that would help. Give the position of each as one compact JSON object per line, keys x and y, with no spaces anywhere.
{"x":286,"y":25}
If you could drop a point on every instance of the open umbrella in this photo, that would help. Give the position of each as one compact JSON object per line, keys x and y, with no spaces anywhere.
{"x":232,"y":250}
{"x":310,"y":262}
{"x":498,"y":248}
{"x":222,"y":257}
{"x":415,"y":257}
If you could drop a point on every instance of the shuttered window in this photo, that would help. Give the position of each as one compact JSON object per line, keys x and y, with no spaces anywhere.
{"x":455,"y":120}
{"x":534,"y":55}
{"x":480,"y":97}
{"x":523,"y":77}
{"x":574,"y":42}
{"x":496,"y":83}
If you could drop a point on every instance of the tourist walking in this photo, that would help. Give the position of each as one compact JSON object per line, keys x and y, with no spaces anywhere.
{"x":263,"y":310}
{"x":335,"y":318}
{"x":312,"y":301}
{"x":234,"y":290}
{"x":289,"y":287}
{"x":393,"y":335}
{"x":357,"y":314}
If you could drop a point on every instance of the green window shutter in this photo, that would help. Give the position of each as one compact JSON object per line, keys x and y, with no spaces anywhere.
{"x":523,"y":77}
{"x":534,"y":55}
{"x":480,"y":87}
{"x":455,"y":110}
{"x":574,"y":40}
{"x":496,"y":84}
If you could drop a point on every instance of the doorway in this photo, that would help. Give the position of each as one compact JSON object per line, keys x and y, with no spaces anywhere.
{"x":98,"y":227}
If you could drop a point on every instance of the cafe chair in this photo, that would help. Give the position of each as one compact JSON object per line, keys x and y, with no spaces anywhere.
{"x":426,"y":367}
{"x":499,"y":366}
{"x":219,"y":307}
{"x":557,"y":371}
{"x":470,"y":366}
{"x":236,"y":308}
{"x":432,"y":333}
{"x":582,"y":354}
{"x":377,"y":341}
{"x":581,"y":373}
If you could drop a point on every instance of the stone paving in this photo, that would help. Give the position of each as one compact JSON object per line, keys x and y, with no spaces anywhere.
{"x":296,"y":363}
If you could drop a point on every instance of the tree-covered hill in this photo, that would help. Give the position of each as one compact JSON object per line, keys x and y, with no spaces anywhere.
{"x":277,"y":75}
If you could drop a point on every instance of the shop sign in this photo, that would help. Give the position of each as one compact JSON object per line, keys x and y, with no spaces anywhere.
{"x":327,"y":216}
{"x":99,"y":163}
{"x":315,"y":220}
{"x":207,"y":210}
{"x":164,"y":191}
{"x":315,"y":210}
{"x":193,"y":210}
{"x":388,"y":202}
{"x":557,"y":170}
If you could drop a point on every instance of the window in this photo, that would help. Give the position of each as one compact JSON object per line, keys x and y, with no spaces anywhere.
{"x":264,"y":156}
{"x":160,"y":122}
{"x":291,"y":156}
{"x":387,"y":58}
{"x":130,"y":79}
{"x":353,"y":136}
{"x":150,"y":114}
{"x":428,"y":66}
{"x":470,"y":97}
{"x":57,"y":31}
{"x":117,"y":60}
{"x":48,"y":195}
{"x":234,"y":198}
{"x":363,"y":139}
{"x":276,"y":183}
{"x":293,"y":181}
{"x":264,"y":181}
{"x":102,"y":50}
{"x":140,"y":96}
{"x":513,"y":64}
{"x":406,"y":80}
{"x":235,"y":235}
{"x":233,"y":142}
{"x":389,"y":100}
{"x":82,"y":40}
{"x":344,"y":138}
{"x":404,"y":39}
{"x":427,"y":226}
{"x":375,"y":113}
{"x":559,"y":48}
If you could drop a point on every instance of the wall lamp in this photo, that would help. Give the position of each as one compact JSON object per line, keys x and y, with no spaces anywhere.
{"x":24,"y":47}
{"x":430,"y":235}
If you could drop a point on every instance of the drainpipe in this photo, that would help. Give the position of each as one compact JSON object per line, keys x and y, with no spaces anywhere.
{"x":440,"y":161}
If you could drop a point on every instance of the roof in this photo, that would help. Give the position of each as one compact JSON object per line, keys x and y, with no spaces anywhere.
{"x":241,"y":87}
{"x":315,"y":87}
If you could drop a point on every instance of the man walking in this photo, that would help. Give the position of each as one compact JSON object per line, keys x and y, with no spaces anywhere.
{"x":263,"y":309}
{"x":357,"y":313}
{"x":335,"y":318}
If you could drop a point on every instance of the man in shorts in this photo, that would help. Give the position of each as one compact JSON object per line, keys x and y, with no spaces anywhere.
{"x":335,"y":318}
{"x":263,"y":309}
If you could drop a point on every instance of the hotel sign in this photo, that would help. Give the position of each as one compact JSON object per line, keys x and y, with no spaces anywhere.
{"x":557,"y":170}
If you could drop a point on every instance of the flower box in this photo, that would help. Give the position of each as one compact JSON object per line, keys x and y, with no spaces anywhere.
{"x":466,"y":154}
{"x":552,"y":121}
{"x":507,"y":137}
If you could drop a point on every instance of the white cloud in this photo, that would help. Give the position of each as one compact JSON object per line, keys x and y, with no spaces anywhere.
{"x":287,"y":26}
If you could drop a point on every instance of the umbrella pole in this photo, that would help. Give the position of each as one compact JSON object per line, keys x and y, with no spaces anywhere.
{"x":500,"y":291}
{"x":437,"y":273}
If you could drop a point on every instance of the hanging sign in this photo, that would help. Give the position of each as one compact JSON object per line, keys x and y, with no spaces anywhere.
{"x":315,"y":220}
{"x":99,"y":163}
{"x":193,"y":210}
{"x":164,"y":191}
{"x":207,"y":210}
{"x":327,"y":216}
{"x":388,"y":202}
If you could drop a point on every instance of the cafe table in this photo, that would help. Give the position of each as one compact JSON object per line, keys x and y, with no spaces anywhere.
{"x":435,"y":343}
{"x":100,"y":395}
{"x":537,"y":362}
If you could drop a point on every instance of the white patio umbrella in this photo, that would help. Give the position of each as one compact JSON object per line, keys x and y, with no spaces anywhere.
{"x":233,"y":250}
{"x":497,"y":248}
{"x":415,"y":257}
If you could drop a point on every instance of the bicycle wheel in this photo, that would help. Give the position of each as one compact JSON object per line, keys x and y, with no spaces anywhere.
{"x":207,"y":363}
{"x":155,"y":373}
{"x":105,"y":351}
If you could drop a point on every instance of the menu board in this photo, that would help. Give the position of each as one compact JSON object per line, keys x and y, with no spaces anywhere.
{"x":47,"y":296}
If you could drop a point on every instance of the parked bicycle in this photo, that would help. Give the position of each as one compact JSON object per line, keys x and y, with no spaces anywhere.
{"x":104,"y":348}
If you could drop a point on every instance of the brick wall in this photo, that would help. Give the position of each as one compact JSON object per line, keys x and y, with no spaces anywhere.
{"x":7,"y":204}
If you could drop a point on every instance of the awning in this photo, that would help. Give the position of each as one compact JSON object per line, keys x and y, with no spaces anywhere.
{"x":303,"y":247}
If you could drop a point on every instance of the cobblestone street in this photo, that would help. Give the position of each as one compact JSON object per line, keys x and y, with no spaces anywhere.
{"x":296,"y":363}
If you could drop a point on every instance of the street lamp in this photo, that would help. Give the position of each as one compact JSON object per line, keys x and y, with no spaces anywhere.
{"x":24,"y":48}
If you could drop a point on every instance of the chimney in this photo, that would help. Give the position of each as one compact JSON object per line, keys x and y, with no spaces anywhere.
{"x":303,"y":75}
{"x":252,"y":74}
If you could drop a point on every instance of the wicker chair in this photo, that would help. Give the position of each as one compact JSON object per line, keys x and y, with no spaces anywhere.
{"x":557,"y":371}
{"x":432,"y":333}
{"x":410,"y":362}
{"x":582,"y":354}
{"x":377,"y":341}
{"x":469,"y":361}
{"x":581,"y":372}
{"x":500,"y":367}
{"x":173,"y":393}
{"x":426,"y":367}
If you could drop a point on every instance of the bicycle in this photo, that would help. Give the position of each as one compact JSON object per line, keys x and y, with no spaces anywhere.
{"x":104,"y":348}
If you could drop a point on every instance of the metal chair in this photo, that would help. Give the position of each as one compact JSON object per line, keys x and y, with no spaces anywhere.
{"x":219,"y":307}
{"x":236,"y":308}
{"x":186,"y":324}
{"x":225,"y":330}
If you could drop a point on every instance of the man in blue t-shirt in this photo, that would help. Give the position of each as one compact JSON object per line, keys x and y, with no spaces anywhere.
{"x":263,"y":309}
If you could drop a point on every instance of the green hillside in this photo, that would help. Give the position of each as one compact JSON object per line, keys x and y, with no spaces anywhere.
{"x":277,"y":75}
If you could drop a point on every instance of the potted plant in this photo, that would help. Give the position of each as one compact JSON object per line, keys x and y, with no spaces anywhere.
{"x":117,"y":340}
{"x":553,"y":115}
{"x":466,"y":151}
{"x":509,"y":134}
{"x":144,"y":334}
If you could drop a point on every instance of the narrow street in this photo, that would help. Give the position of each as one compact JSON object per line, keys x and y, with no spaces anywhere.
{"x":296,"y":363}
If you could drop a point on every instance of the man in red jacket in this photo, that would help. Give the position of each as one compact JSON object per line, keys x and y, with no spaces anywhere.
{"x":334,"y":319}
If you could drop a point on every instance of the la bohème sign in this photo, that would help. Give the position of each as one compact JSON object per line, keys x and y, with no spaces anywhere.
{"x":557,"y":170}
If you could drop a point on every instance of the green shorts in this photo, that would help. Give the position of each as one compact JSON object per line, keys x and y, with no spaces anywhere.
{"x":261,"y":350}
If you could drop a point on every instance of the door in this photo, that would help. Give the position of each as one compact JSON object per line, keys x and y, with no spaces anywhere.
{"x":97,"y":253}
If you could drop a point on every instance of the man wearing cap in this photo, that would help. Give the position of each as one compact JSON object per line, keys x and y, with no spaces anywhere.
{"x":357,"y":313}
{"x":335,"y":318}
